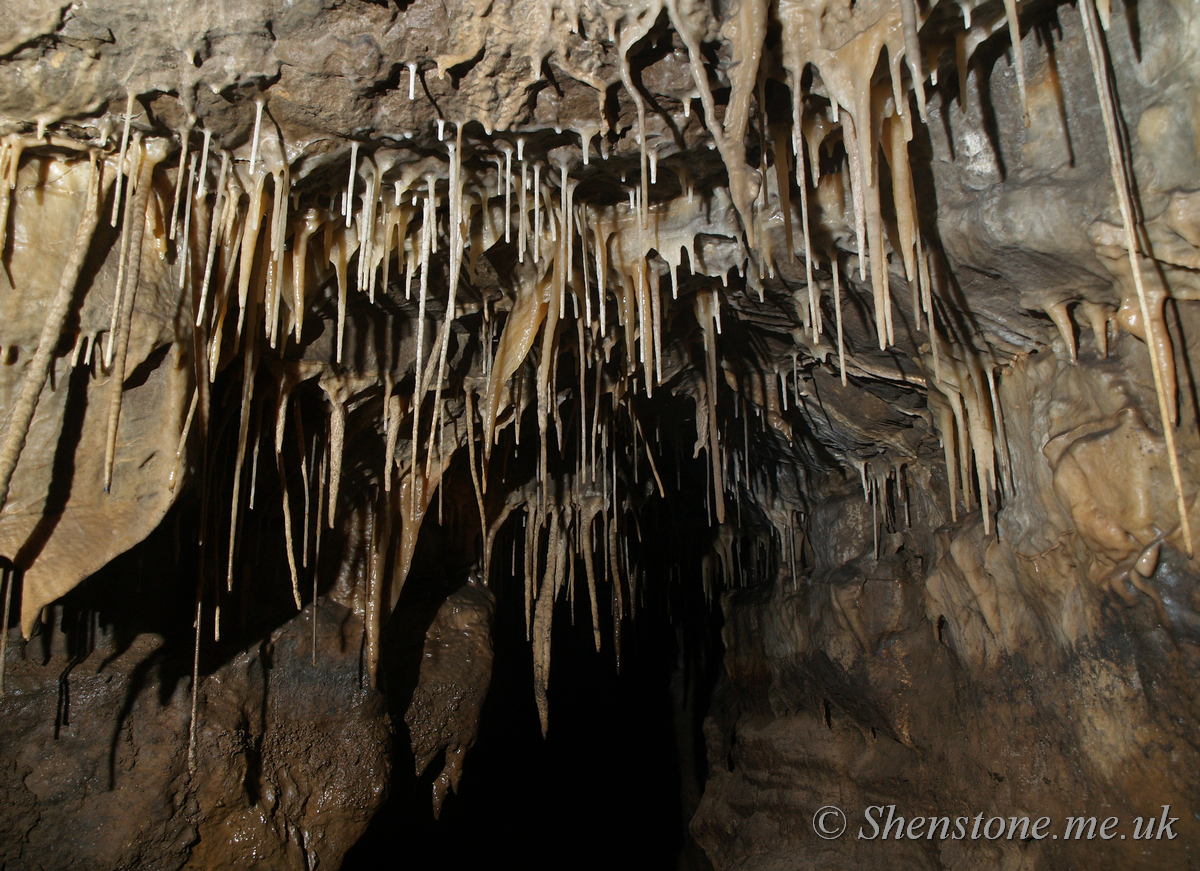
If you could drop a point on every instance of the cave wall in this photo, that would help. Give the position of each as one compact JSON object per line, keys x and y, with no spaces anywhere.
{"x":1016,"y":673}
{"x":288,"y":764}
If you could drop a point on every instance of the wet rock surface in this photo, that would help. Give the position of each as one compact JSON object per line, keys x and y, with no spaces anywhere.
{"x":290,"y":757}
{"x":935,"y":670}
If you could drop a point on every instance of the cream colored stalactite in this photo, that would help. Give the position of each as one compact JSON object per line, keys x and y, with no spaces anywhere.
{"x":546,"y":360}
{"x":846,"y":63}
{"x":280,"y":269}
{"x":184,"y":249}
{"x":249,"y":251}
{"x":345,"y":243}
{"x":289,"y":544}
{"x":151,"y":154}
{"x":11,"y":147}
{"x":311,"y":222}
{"x":456,"y":253}
{"x":1098,"y":315}
{"x":249,"y":369}
{"x":127,"y":233}
{"x":412,"y":500}
{"x":897,"y":132}
{"x":836,"y":268}
{"x":590,"y":509}
{"x":220,"y":207}
{"x":1014,"y":33}
{"x":180,"y":446}
{"x":706,"y":304}
{"x":116,"y":211}
{"x":336,"y":392}
{"x":428,"y":234}
{"x":529,"y":310}
{"x":1153,"y":324}
{"x":532,"y":537}
{"x":910,"y":15}
{"x":469,"y":397}
{"x":969,"y":420}
{"x":557,"y":559}
{"x":184,"y":142}
{"x":375,"y":615}
{"x":230,"y":246}
{"x":34,"y":378}
{"x":1058,"y":314}
{"x":691,"y":24}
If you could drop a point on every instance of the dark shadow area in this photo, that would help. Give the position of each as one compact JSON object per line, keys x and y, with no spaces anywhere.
{"x":619,"y":774}
{"x":601,"y":791}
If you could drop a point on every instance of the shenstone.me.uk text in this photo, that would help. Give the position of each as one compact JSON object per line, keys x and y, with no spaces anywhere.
{"x":883,"y":822}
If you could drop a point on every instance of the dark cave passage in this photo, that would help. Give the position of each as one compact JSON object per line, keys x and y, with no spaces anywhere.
{"x":620,"y":771}
{"x":603,"y":790}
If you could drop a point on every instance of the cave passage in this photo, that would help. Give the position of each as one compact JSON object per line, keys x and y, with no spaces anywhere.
{"x":602,"y":790}
{"x":619,"y":772}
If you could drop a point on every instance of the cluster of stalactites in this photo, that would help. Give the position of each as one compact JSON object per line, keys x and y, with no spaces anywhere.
{"x":253,"y":255}
{"x":250,"y":243}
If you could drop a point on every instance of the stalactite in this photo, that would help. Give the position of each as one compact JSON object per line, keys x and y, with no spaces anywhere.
{"x":151,"y":154}
{"x":624,"y":247}
{"x":34,"y":380}
{"x":249,"y":369}
{"x":1158,"y":340}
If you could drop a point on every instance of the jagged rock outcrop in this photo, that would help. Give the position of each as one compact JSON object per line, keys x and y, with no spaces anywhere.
{"x":289,"y":762}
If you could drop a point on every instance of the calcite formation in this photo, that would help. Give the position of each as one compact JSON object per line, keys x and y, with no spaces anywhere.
{"x":870,"y":324}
